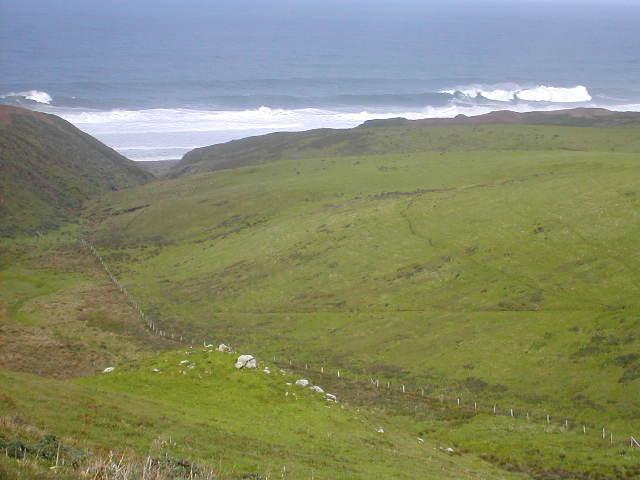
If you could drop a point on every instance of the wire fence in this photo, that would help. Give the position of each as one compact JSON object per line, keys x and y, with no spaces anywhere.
{"x":408,"y":392}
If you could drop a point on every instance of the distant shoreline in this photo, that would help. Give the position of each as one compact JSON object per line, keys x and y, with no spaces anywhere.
{"x":170,"y":132}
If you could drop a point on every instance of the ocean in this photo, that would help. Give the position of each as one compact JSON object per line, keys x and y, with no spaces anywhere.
{"x":154,"y":79}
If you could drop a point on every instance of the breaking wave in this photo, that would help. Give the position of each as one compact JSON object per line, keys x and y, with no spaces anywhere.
{"x":511,"y":93}
{"x":33,"y":95}
{"x":169,"y":133}
{"x":162,"y":133}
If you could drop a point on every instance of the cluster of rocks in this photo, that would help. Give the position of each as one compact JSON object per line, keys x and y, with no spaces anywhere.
{"x":247,"y":361}
{"x":187,"y":364}
{"x":304,"y":383}
{"x":250,"y":362}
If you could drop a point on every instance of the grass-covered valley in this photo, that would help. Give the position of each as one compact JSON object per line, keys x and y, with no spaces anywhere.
{"x":486,"y":263}
{"x":169,"y":410}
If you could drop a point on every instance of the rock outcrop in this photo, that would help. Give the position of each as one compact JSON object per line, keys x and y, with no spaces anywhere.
{"x":246,"y":361}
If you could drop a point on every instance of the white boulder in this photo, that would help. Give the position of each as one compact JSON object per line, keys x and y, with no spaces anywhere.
{"x":224,"y":348}
{"x":108,"y":369}
{"x":246,"y":361}
{"x":331,"y":397}
{"x":303,"y":382}
{"x":317,"y":389}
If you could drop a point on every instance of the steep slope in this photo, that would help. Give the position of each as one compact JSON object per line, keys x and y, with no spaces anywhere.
{"x":393,"y":135}
{"x":499,"y":264}
{"x":48,"y":168}
{"x":60,"y":316}
{"x":188,"y":411}
{"x":193,"y":412}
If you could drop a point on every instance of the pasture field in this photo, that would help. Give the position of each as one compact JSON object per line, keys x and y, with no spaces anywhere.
{"x":505,"y":275}
{"x":495,"y":264}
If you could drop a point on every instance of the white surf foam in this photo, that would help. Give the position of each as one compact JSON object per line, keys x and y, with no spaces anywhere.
{"x":543,"y":93}
{"x":169,"y":133}
{"x":33,"y":95}
{"x":264,"y":118}
{"x":144,"y":148}
{"x":153,"y":157}
{"x":514,"y":93}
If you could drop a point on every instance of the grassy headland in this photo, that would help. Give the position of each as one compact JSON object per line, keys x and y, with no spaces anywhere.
{"x":48,"y":168}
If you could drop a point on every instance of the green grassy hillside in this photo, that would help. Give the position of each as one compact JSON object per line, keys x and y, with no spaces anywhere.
{"x":238,"y":424}
{"x":158,"y":168}
{"x":496,"y":263}
{"x":59,"y":314}
{"x":48,"y":168}
{"x":483,"y":267}
{"x":403,"y":136}
{"x":188,"y":412}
